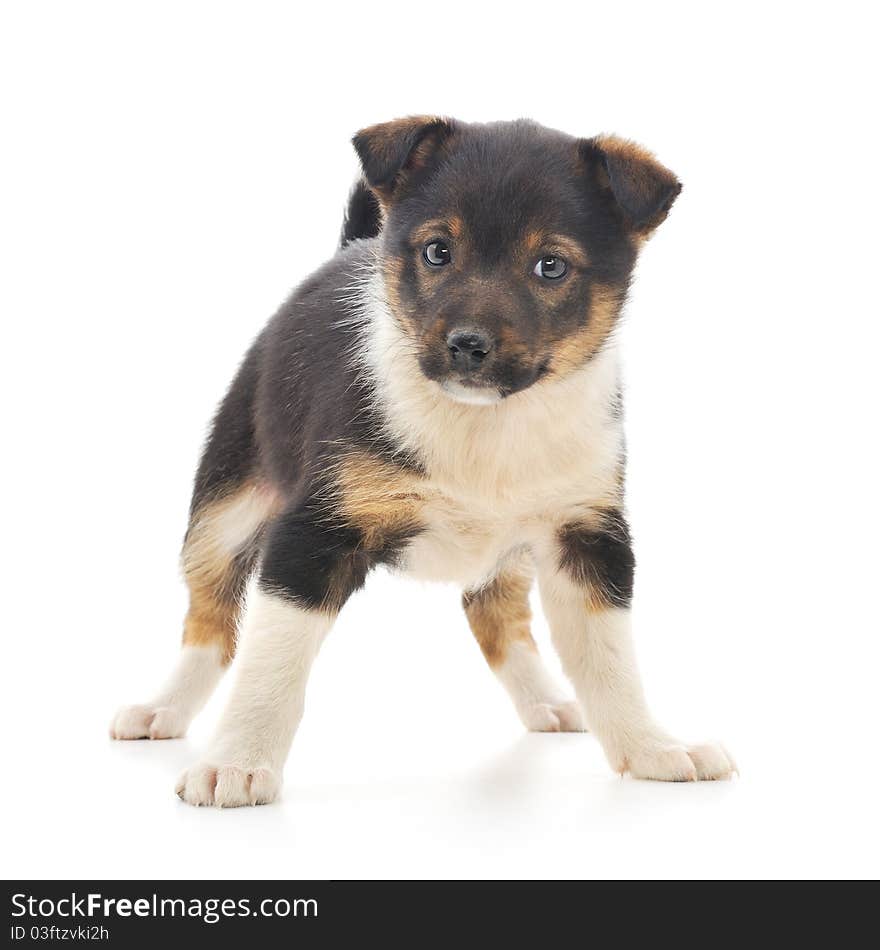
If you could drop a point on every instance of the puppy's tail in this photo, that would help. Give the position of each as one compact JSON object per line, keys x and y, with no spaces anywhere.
{"x":363,"y":217}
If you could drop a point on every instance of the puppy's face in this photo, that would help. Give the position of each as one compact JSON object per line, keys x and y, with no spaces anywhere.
{"x":508,"y":247}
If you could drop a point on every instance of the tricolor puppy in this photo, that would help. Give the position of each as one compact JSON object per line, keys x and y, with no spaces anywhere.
{"x":442,"y":397}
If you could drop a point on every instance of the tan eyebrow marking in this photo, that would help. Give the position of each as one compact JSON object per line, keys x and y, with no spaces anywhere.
{"x":438,"y":227}
{"x":546,"y":241}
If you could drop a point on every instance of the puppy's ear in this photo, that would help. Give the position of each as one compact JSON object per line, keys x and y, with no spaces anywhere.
{"x":642,"y":187}
{"x":394,"y":152}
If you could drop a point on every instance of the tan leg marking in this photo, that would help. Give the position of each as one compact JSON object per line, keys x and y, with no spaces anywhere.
{"x":218,"y":554}
{"x":499,"y":616}
{"x":218,"y":557}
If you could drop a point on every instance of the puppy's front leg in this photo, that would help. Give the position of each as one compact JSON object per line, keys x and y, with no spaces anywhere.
{"x":246,"y":757}
{"x":308,"y":571}
{"x":586,"y":581}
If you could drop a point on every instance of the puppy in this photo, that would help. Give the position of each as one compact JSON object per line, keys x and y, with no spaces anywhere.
{"x":442,"y":397}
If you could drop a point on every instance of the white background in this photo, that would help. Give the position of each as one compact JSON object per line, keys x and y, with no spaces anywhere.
{"x":171,"y":170}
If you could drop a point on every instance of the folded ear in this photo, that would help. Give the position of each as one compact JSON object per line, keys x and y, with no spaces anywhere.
{"x":393,"y":152}
{"x":642,"y":187}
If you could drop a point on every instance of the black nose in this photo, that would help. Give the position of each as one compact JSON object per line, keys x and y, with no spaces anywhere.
{"x":468,"y":348}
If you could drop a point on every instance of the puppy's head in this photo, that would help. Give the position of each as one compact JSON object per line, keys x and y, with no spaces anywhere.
{"x":508,"y":247}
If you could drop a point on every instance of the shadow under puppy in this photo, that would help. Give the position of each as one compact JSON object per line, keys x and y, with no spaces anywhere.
{"x":442,"y":397}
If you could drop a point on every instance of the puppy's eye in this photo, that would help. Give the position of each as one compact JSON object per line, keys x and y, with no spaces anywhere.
{"x":437,"y":253}
{"x":551,"y":267}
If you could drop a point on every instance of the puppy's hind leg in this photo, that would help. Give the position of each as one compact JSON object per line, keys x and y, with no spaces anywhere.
{"x":219,"y":554}
{"x":499,"y":617}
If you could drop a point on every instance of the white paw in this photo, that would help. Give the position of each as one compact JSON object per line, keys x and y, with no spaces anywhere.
{"x":668,"y":761}
{"x":148,"y":722}
{"x":227,"y":786}
{"x":550,"y":717}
